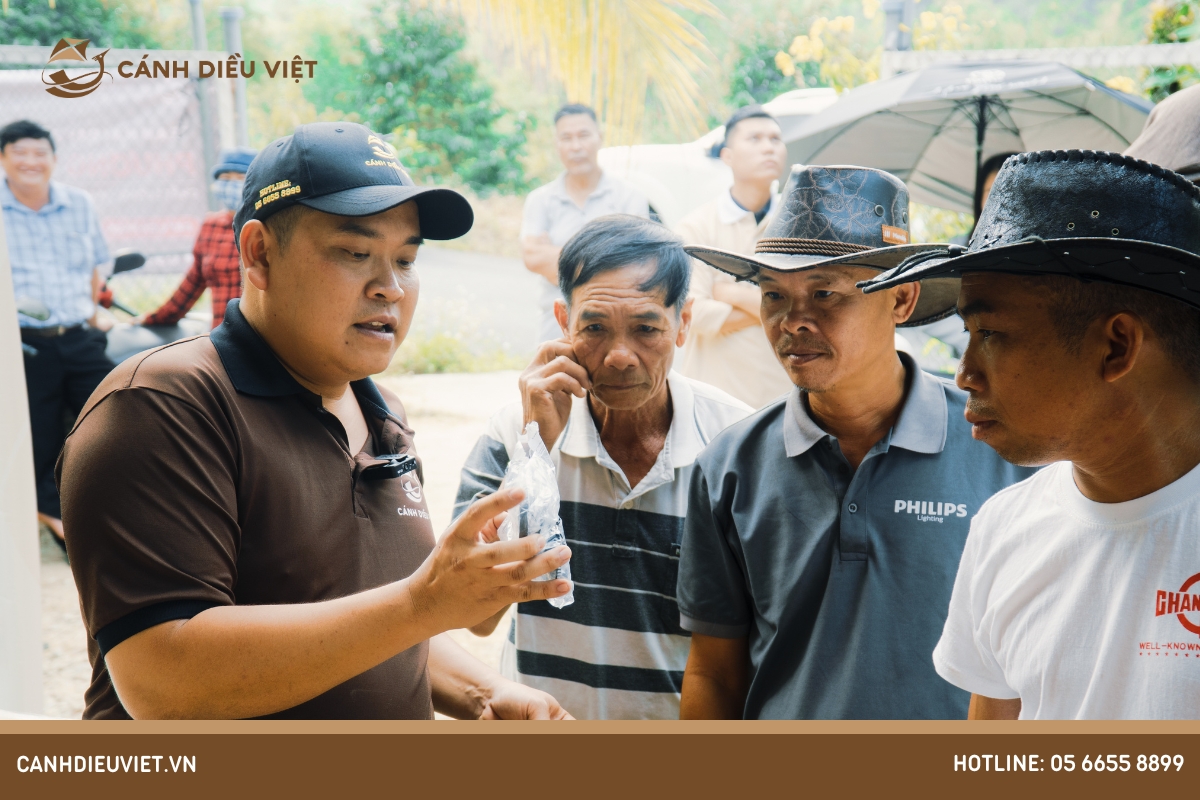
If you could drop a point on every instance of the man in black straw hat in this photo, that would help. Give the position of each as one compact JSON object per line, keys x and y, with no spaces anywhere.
{"x":244,"y":511}
{"x":823,"y":532}
{"x":1078,"y":595}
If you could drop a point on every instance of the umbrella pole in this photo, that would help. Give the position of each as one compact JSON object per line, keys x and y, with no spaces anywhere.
{"x":980,"y":132}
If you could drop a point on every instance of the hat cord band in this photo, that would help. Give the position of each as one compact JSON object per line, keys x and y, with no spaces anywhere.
{"x":808,"y":247}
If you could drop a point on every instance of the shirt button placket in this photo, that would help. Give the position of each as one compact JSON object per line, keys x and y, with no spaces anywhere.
{"x":853,"y":538}
{"x":624,"y":531}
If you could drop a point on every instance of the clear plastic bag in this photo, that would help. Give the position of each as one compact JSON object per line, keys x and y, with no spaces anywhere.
{"x":531,"y":470}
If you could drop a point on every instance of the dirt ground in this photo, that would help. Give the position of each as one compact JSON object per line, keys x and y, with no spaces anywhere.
{"x":448,"y":412}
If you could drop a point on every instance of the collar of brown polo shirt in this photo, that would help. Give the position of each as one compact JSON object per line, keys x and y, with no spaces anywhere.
{"x":254,"y":369}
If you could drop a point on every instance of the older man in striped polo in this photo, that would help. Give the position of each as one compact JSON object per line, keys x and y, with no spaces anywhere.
{"x":623,"y":431}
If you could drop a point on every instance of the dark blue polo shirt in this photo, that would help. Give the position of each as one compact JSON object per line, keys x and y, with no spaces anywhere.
{"x":840,"y":579}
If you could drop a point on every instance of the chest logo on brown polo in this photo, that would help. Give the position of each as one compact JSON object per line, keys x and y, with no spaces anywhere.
{"x":411,"y":488}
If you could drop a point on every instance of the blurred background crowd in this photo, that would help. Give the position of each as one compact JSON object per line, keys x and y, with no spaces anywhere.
{"x":471,"y":93}
{"x":468,"y":91}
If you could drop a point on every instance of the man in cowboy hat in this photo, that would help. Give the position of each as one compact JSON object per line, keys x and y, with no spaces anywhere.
{"x":1077,"y":595}
{"x":823,"y":532}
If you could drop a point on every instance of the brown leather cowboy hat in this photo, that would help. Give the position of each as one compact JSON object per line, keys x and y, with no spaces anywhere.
{"x":839,"y":216}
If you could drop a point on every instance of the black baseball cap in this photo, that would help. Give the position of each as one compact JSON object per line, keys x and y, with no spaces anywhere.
{"x":346,"y":169}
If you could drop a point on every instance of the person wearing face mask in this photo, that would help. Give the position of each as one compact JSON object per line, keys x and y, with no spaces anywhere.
{"x":623,"y":431}
{"x":216,"y":263}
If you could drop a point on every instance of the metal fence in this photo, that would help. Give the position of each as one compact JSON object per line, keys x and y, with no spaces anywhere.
{"x":138,"y":147}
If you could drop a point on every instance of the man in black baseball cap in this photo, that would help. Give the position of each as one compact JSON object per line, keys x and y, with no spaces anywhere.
{"x":345,"y":169}
{"x":1076,"y":597}
{"x":245,"y":512}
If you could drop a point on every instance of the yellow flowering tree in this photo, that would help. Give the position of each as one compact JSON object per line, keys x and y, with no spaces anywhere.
{"x":849,"y":54}
{"x":832,"y":44}
{"x":941,"y":30}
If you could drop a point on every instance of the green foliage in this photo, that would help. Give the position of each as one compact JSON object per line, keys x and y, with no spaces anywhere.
{"x":409,"y":77}
{"x":931,"y":224}
{"x":34,"y":22}
{"x":1171,"y":23}
{"x":757,"y":33}
{"x":754,"y":77}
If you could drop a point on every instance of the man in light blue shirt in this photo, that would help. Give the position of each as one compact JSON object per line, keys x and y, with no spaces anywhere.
{"x":57,"y":254}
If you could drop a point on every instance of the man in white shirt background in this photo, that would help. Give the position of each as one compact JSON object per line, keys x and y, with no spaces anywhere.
{"x":556,"y":211}
{"x":728,"y":347}
{"x":1078,"y":593}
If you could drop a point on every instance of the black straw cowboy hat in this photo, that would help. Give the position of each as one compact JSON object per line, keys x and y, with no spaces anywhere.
{"x":839,"y":216}
{"x":1093,"y":215}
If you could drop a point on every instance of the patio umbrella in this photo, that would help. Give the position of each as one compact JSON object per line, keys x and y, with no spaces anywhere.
{"x":933,"y":127}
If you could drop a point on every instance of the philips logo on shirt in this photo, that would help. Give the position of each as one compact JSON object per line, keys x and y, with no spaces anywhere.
{"x":929,"y":511}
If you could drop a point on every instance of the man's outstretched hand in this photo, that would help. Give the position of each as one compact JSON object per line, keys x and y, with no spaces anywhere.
{"x":470,"y":575}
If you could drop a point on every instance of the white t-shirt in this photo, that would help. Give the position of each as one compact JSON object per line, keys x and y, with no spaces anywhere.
{"x":1083,"y":610}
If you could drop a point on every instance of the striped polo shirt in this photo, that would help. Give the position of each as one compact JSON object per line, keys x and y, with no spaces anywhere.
{"x":617,"y":652}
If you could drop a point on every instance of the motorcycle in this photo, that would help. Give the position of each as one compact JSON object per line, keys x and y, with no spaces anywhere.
{"x":124,"y":339}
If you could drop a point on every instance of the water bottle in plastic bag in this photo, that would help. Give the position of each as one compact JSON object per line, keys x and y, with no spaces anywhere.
{"x":532,"y":471}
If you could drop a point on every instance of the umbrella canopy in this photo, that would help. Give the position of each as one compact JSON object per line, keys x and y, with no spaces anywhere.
{"x":933,"y":127}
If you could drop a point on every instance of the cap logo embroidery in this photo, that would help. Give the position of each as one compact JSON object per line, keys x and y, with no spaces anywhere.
{"x":893,"y":235}
{"x":385,"y":152}
{"x":381,"y":148}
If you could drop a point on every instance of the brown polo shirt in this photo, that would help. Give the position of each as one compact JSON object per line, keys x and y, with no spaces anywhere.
{"x":202,"y":474}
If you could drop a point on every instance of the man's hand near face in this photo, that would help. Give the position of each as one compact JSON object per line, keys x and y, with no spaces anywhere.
{"x":547,"y":386}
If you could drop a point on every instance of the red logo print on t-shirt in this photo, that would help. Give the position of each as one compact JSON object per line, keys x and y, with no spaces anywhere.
{"x":1179,"y":603}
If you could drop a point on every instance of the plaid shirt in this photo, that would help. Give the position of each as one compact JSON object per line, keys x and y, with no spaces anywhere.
{"x":216,"y":267}
{"x":53,"y":251}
